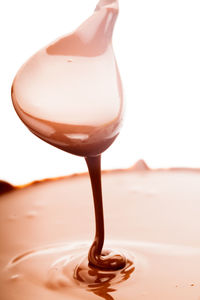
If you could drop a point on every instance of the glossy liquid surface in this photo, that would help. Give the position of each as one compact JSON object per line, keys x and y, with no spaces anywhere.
{"x":69,"y":93}
{"x":44,"y":248}
{"x":107,"y":260}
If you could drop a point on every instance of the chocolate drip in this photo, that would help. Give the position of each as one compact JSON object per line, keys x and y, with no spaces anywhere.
{"x":106,"y":260}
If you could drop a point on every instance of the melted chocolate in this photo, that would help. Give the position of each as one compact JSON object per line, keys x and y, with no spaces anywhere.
{"x":103,"y":260}
{"x":76,"y":106}
{"x":45,"y":230}
{"x":69,"y":94}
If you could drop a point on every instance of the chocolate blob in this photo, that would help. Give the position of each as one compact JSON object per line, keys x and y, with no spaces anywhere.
{"x":69,"y":94}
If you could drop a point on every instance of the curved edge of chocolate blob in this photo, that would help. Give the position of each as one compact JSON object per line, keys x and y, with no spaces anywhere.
{"x":139,"y":166}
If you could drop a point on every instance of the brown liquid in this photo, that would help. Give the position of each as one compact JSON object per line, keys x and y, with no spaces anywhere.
{"x":69,"y":94}
{"x":106,"y":260}
{"x":152,"y":216}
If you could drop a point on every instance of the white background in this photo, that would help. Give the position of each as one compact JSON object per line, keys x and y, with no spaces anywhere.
{"x":157,"y":45}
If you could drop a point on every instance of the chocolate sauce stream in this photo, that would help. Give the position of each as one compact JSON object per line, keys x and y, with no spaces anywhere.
{"x":105,"y":260}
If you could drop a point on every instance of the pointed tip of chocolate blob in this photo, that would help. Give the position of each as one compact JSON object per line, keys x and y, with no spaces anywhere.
{"x":5,"y":187}
{"x":140,"y":165}
{"x":107,"y":4}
